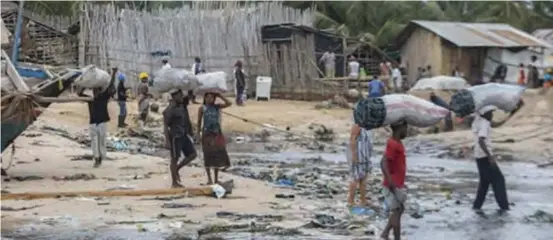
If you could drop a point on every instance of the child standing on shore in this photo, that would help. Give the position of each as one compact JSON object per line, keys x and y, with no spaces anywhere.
{"x":394,"y":170}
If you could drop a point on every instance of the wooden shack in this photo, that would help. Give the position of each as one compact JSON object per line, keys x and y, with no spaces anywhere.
{"x":42,"y":44}
{"x":470,"y":47}
{"x":291,"y":58}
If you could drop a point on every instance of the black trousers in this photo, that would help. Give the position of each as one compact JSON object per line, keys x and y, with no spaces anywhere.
{"x":490,"y":174}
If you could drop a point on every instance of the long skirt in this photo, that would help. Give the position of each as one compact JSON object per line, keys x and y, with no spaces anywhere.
{"x":215,"y":151}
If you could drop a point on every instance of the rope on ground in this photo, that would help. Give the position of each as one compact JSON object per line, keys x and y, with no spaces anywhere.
{"x":287,"y":131}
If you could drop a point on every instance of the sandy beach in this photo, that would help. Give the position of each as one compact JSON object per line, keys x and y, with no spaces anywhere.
{"x":49,"y":157}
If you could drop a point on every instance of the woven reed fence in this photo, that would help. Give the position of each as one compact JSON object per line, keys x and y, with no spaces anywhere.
{"x":219,"y":34}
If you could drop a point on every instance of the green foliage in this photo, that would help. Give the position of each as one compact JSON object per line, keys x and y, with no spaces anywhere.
{"x":381,"y":21}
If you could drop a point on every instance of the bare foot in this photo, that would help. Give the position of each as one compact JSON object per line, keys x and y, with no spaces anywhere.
{"x":176,"y":185}
{"x":209,"y":183}
{"x":384,"y":237}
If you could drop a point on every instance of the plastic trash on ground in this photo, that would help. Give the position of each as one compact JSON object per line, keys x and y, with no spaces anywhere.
{"x":218,"y":190}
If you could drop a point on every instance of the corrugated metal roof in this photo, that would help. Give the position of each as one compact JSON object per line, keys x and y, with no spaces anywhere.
{"x":545,"y":34}
{"x":481,"y":34}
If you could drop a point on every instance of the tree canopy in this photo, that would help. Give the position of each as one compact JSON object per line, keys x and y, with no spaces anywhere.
{"x":378,"y":22}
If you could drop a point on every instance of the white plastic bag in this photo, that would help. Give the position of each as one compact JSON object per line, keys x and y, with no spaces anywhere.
{"x":174,"y":78}
{"x":93,"y":77}
{"x":377,"y":112}
{"x":503,"y":96}
{"x":212,"y":82}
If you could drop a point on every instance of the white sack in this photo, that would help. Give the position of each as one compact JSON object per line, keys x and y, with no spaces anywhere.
{"x":441,"y":83}
{"x":503,"y":96}
{"x":93,"y":77}
{"x":377,"y":112}
{"x":212,"y":82}
{"x":174,"y":78}
{"x":416,"y":111}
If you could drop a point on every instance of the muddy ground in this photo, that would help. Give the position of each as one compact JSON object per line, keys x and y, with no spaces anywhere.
{"x":287,"y":187}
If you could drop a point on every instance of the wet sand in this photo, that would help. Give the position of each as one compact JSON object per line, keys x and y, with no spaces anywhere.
{"x":443,"y":188}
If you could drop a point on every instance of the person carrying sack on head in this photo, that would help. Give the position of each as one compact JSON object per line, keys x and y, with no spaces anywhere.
{"x":489,"y":172}
{"x":394,"y":171}
{"x":98,"y":118}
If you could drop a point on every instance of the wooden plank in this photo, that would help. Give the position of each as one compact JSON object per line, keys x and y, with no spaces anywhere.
{"x":205,"y":191}
{"x":15,"y":78}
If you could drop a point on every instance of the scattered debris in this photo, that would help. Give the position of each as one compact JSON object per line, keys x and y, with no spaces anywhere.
{"x":169,"y":198}
{"x":24,"y":178}
{"x":260,"y":218}
{"x":337,"y":101}
{"x":540,"y":216}
{"x":180,"y":205}
{"x":75,"y":177}
{"x":164,"y":216}
{"x":11,"y":209}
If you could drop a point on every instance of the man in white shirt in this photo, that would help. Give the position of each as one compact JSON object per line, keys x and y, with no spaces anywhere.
{"x":353,"y":67}
{"x":487,"y":166}
{"x":329,"y":61}
{"x":397,"y":79}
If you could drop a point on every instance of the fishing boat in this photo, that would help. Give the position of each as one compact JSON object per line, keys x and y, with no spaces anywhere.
{"x":13,"y":125}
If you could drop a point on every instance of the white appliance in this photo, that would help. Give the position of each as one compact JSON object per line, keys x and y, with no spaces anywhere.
{"x":263,"y":87}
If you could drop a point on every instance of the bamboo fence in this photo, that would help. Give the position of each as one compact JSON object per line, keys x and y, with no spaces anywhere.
{"x":220,"y":34}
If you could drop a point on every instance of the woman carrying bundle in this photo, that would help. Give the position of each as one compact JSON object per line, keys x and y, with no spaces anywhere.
{"x":211,"y":135}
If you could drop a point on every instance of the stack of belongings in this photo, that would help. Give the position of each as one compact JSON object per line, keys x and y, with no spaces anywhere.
{"x":377,"y":112}
{"x":503,"y":96}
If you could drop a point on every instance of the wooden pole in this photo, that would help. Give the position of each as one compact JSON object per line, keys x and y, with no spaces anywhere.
{"x":205,"y":191}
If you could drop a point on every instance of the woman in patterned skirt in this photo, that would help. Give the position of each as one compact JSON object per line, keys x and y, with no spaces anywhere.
{"x":359,"y":159}
{"x":211,"y":135}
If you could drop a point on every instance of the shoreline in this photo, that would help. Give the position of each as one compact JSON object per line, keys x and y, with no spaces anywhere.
{"x":259,"y":159}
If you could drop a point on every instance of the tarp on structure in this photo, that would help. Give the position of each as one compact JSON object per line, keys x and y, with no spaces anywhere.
{"x":512,"y":60}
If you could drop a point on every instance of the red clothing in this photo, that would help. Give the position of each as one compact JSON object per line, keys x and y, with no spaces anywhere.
{"x":521,"y":77}
{"x":395,"y":159}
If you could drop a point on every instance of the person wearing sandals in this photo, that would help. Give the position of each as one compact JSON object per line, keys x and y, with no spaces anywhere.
{"x":211,"y":135}
{"x":359,"y":157}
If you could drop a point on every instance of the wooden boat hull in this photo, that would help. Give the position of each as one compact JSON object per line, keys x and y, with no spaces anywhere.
{"x":13,"y":127}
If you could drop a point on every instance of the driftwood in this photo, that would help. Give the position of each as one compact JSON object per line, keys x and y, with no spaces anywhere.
{"x":191,"y":192}
{"x":205,"y":191}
